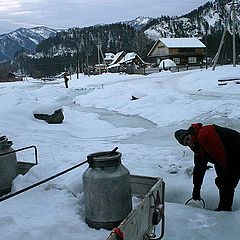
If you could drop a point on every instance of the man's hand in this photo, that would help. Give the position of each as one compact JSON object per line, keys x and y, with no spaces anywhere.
{"x":196,"y":194}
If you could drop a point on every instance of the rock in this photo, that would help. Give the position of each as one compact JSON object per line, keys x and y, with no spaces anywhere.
{"x":51,"y":113}
{"x":134,"y":98}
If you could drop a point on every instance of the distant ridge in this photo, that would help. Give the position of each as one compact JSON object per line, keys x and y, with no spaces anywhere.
{"x":23,"y":38}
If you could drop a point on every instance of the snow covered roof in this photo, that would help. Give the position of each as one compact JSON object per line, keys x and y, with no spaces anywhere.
{"x":113,"y":65}
{"x":182,"y":42}
{"x":116,"y":57}
{"x":128,"y":57}
{"x":109,"y":56}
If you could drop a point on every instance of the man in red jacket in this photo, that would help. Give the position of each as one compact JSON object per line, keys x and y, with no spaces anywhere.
{"x":217,"y":145}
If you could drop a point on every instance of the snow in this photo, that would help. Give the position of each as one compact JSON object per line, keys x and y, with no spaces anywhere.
{"x":34,"y":40}
{"x":116,"y":57}
{"x":167,"y":63}
{"x":100,"y":115}
{"x":109,"y":56}
{"x":128,"y":57}
{"x":182,"y":42}
{"x":212,"y":17}
{"x":48,"y":108}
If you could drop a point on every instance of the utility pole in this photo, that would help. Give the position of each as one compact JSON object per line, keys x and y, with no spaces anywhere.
{"x":76,"y":37}
{"x":231,"y":16}
{"x":215,"y":59}
{"x":98,"y":49}
{"x":77,"y":62}
{"x":104,"y":62}
{"x":87,"y":64}
{"x":233,"y":8}
{"x":206,"y":52}
{"x":87,"y":61}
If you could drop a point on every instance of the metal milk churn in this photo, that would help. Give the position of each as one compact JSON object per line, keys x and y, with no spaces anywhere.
{"x":8,"y":165}
{"x":107,"y":190}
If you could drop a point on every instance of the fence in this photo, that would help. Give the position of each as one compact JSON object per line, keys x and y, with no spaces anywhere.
{"x":176,"y":69}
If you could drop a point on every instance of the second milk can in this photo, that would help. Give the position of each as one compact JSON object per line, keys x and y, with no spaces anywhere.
{"x":8,"y":165}
{"x":107,"y":190}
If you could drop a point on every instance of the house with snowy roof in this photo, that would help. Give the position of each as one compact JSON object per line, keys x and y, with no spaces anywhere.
{"x":128,"y":62}
{"x":117,"y":57}
{"x":182,"y":51}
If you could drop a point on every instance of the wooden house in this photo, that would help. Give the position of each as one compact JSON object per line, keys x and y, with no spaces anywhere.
{"x":130,"y":63}
{"x":117,"y":57}
{"x":182,"y":51}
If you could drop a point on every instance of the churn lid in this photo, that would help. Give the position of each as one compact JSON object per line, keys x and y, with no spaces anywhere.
{"x":104,"y":159}
{"x":4,"y":143}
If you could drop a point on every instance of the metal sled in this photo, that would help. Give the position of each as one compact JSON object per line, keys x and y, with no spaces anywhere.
{"x":141,"y":222}
{"x":23,"y":167}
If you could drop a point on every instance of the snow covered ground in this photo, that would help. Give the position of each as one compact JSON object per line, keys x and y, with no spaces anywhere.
{"x":100,"y":115}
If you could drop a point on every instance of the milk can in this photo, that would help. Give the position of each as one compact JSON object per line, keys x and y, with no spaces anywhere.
{"x":107,"y":190}
{"x":8,"y":165}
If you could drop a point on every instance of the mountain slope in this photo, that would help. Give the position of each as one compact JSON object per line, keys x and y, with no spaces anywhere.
{"x":23,"y":38}
{"x":207,"y":19}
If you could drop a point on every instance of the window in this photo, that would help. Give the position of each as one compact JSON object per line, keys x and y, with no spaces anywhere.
{"x":177,"y":60}
{"x":192,"y":60}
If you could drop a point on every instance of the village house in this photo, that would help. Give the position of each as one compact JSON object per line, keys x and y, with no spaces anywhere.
{"x":130,"y":63}
{"x":117,"y":57}
{"x":183,"y":51}
{"x":10,"y":76}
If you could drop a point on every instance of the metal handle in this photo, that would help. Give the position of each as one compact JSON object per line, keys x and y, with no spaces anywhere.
{"x":162,"y":228}
{"x":111,"y":153}
{"x":204,"y":204}
{"x":41,"y":182}
{"x":21,"y":149}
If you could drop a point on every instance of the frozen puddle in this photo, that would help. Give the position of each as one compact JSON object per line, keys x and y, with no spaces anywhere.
{"x":121,"y":120}
{"x":114,"y":118}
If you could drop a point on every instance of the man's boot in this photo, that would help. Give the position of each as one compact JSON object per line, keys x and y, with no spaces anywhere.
{"x":225,"y":199}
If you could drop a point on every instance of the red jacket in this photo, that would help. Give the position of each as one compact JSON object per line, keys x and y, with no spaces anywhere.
{"x":209,"y":144}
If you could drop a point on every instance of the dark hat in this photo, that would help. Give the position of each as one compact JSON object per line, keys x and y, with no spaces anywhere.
{"x":180,"y":135}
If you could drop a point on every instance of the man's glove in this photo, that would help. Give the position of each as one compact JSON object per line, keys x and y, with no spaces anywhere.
{"x":196,"y":194}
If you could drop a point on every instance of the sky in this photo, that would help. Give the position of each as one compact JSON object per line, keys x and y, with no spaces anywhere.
{"x":15,"y":14}
{"x":100,"y":115}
